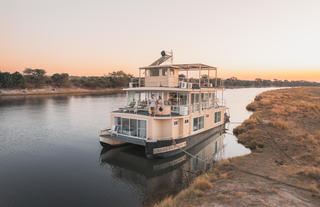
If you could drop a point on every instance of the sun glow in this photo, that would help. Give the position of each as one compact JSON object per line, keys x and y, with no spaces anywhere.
{"x":248,"y":39}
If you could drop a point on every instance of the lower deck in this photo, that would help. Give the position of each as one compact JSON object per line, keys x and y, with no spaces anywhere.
{"x":163,"y":148}
{"x":142,"y":126}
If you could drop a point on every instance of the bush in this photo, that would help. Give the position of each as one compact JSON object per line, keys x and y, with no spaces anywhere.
{"x":201,"y":184}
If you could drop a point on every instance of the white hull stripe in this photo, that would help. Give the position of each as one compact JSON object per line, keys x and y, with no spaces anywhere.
{"x":169,"y":148}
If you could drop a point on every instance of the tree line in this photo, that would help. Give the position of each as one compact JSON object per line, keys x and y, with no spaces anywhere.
{"x":258,"y":82}
{"x":37,"y":78}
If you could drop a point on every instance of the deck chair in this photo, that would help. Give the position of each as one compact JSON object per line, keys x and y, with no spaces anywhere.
{"x":114,"y":130}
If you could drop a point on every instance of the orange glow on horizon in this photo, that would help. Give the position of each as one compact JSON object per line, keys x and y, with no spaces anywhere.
{"x":247,"y":39}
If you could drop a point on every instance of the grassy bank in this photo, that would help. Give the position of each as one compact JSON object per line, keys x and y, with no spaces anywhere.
{"x":283,"y":169}
{"x":54,"y":91}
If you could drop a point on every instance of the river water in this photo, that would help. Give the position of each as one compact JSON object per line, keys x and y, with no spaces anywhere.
{"x":50,"y":153}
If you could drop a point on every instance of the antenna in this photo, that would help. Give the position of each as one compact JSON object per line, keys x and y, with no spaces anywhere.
{"x":164,"y":57}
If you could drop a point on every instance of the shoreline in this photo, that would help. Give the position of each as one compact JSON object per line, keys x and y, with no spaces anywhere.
{"x":283,"y":134}
{"x":57,"y":91}
{"x":72,"y":91}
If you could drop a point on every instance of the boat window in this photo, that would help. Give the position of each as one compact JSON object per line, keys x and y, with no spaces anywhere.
{"x":154,"y":72}
{"x":147,"y":73}
{"x":117,"y":124}
{"x":131,"y":127}
{"x":132,"y":98}
{"x":217,"y":116}
{"x":205,"y":100}
{"x":125,"y":126}
{"x":183,"y":99}
{"x":212,"y":97}
{"x":171,"y":72}
{"x":164,"y":71}
{"x":142,"y":128}
{"x":195,"y":105}
{"x":198,"y":123}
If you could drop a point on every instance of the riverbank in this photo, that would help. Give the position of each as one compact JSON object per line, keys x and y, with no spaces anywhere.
{"x":55,"y":91}
{"x":283,"y":169}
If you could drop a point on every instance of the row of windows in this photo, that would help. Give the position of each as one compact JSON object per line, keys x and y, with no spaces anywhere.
{"x":138,"y":128}
{"x":131,"y":127}
{"x":156,"y":72}
{"x":198,"y":123}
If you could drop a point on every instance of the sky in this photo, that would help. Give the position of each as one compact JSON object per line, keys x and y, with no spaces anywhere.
{"x":248,"y":39}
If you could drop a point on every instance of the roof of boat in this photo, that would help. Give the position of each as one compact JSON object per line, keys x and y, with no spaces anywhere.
{"x":169,"y":89}
{"x":183,"y":67}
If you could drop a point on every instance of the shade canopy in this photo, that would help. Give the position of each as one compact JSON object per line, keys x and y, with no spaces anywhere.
{"x":184,"y":67}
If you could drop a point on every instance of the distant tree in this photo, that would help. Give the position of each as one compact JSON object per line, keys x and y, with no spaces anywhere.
{"x":35,"y":77}
{"x":60,"y":80}
{"x":5,"y":80}
{"x":119,"y":79}
{"x":17,"y":80}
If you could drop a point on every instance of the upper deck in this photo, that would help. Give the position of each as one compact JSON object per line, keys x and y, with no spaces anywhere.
{"x":179,"y":88}
{"x":189,"y":76}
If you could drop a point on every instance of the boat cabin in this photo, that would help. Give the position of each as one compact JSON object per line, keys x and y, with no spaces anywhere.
{"x":188,"y":105}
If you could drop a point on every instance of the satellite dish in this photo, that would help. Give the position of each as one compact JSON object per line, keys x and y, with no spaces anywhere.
{"x":163,"y":53}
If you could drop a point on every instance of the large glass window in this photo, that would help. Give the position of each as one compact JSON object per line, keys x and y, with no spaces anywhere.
{"x":198,"y":123}
{"x":205,"y":100}
{"x":117,"y":123}
{"x":212,"y":99}
{"x":131,"y":127}
{"x":195,"y":98}
{"x":217,"y":116}
{"x":125,"y":126}
{"x":183,"y":99}
{"x":132,"y":98}
{"x":142,"y":128}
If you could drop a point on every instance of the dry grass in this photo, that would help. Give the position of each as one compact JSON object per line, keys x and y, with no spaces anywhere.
{"x":195,"y":191}
{"x":239,"y":194}
{"x":198,"y":187}
{"x":201,"y":184}
{"x":278,"y":123}
{"x":168,"y":202}
{"x":224,"y":197}
{"x":311,"y":172}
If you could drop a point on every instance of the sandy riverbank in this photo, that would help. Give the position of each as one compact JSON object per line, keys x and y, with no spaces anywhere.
{"x":54,"y":91}
{"x":283,"y":169}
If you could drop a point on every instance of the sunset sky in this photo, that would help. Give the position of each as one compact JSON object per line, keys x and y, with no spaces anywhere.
{"x":243,"y":38}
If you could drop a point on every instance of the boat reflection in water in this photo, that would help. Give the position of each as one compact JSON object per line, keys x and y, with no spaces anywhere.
{"x":158,"y":178}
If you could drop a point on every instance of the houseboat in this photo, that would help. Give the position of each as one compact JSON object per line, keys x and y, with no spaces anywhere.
{"x":170,"y":108}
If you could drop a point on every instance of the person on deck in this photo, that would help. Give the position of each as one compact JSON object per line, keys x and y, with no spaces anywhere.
{"x":160,"y":105}
{"x":152,"y":104}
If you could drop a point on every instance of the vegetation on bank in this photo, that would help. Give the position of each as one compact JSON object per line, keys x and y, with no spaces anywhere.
{"x":258,"y":82}
{"x":283,"y":169}
{"x":37,"y":78}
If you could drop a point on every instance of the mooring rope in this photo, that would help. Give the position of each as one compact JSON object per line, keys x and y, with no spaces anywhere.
{"x":235,"y":122}
{"x":275,"y":142}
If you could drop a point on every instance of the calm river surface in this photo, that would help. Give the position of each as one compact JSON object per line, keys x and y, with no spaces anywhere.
{"x":50,"y":153}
